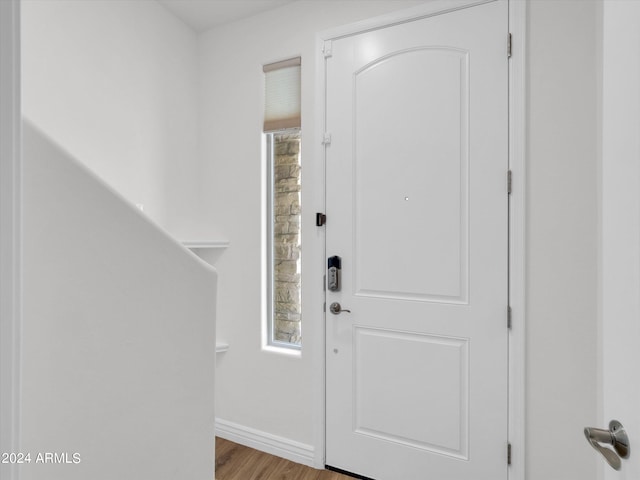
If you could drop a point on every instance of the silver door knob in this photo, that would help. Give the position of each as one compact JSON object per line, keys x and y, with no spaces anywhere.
{"x":336,"y":309}
{"x":616,"y":436}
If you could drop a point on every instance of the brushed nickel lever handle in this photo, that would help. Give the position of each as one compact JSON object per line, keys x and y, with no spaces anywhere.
{"x":616,"y":436}
{"x":336,"y":309}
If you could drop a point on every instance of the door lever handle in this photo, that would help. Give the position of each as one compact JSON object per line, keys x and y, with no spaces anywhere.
{"x":616,"y":436}
{"x":336,"y":309}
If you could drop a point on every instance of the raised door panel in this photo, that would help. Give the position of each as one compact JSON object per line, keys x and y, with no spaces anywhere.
{"x":411,"y":162}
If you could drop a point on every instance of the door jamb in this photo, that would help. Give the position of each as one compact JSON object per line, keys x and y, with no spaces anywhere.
{"x":10,"y":232}
{"x":517,"y":236}
{"x":517,"y":210}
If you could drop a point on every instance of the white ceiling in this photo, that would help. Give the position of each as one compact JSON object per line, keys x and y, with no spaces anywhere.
{"x":203,"y":14}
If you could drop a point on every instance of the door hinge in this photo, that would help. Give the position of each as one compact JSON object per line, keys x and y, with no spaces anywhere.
{"x":509,"y":316}
{"x":326,"y":139}
{"x":324,"y":283}
{"x":327,"y":49}
{"x":324,"y":307}
{"x":508,"y":454}
{"x":509,"y":182}
{"x":321,"y":219}
{"x":509,"y":44}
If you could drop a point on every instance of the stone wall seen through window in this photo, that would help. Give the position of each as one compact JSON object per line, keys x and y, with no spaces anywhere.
{"x":286,"y":238}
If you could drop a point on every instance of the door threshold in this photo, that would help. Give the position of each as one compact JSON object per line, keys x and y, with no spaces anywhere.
{"x":348,"y":474}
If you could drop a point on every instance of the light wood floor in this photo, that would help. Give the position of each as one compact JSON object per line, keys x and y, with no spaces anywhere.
{"x":237,"y":462}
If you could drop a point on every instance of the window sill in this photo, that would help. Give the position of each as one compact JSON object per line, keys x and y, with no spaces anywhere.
{"x":288,"y":352}
{"x":197,"y":245}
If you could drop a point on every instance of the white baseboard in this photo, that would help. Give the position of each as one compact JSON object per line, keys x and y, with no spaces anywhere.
{"x":266,"y":442}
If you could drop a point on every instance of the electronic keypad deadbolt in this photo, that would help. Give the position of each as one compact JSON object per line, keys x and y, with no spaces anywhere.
{"x":334,"y":265}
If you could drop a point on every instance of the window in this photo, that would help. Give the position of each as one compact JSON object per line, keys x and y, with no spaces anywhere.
{"x":282,"y":134}
{"x":283,"y":151}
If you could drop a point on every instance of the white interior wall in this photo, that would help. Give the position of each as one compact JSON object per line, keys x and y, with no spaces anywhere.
{"x":115,"y":83}
{"x":261,"y":390}
{"x":270,"y":392}
{"x":621,"y":225}
{"x":562,"y":237}
{"x":276,"y":395}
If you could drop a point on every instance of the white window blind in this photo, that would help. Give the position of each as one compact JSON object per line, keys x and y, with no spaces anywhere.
{"x":282,"y":95}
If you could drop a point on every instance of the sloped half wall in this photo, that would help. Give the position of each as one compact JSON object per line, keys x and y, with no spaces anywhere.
{"x":119,"y":334}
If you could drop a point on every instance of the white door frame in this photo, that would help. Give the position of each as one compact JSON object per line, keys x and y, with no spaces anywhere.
{"x":10,"y":231}
{"x":517,"y":236}
{"x":517,"y":210}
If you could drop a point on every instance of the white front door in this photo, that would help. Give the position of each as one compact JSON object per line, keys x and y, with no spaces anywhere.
{"x":417,"y":211}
